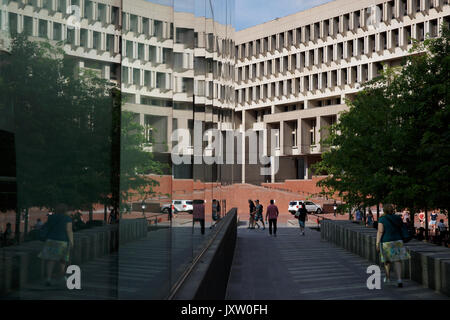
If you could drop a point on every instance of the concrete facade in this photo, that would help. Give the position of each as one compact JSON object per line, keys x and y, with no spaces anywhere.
{"x":294,"y":74}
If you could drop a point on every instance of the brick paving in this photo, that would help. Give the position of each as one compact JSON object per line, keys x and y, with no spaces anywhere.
{"x":295,"y":267}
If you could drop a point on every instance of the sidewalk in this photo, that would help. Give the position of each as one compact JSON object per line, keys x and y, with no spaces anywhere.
{"x":295,"y":267}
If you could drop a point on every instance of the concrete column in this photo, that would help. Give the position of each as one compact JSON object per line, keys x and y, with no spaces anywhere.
{"x":169,"y":132}
{"x":306,"y":168}
{"x":106,"y":72}
{"x":426,"y":28}
{"x":108,"y":14}
{"x":139,"y":25}
{"x":77,"y":36}
{"x":90,"y":39}
{"x":50,"y":29}
{"x":35,"y":27}
{"x":103,"y":41}
{"x":243,"y":145}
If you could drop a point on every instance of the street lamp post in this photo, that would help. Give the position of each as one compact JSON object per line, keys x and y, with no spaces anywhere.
{"x":335,"y":208}
{"x":143,"y":206}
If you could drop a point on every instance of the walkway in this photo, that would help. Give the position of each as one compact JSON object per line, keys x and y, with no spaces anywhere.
{"x":292,"y":266}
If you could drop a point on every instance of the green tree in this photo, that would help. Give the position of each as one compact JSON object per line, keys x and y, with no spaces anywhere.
{"x":136,"y":163}
{"x":392,"y":144}
{"x":67,"y":130}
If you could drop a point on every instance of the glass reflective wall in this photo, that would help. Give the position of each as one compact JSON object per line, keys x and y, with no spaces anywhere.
{"x":112,"y":120}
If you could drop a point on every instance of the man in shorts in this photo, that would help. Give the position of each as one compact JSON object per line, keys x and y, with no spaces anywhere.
{"x":433,"y":221}
{"x":259,"y":215}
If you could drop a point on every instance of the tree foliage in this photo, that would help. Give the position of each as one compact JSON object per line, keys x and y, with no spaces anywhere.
{"x":392,"y":146}
{"x":65,"y":127}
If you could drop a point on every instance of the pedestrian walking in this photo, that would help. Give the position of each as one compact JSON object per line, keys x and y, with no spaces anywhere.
{"x":251,"y":220}
{"x":198,"y":214}
{"x":301,"y":215}
{"x":390,"y":244}
{"x":358,"y":215}
{"x":259,"y":214}
{"x":215,"y":213}
{"x":406,"y":216}
{"x":58,"y":236}
{"x":433,"y":221}
{"x":370,"y":218}
{"x":271,"y":217}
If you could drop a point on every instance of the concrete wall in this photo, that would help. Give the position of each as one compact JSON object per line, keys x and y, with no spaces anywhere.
{"x":209,"y":278}
{"x":429,"y":264}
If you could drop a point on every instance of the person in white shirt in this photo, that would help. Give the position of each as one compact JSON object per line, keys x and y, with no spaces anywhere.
{"x":405,"y":216}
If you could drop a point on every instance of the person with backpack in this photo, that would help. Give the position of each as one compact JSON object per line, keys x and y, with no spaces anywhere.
{"x":259,"y":214}
{"x":301,"y":215}
{"x":390,"y":236}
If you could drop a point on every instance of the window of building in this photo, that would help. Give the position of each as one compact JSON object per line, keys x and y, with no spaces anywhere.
{"x":43,"y":25}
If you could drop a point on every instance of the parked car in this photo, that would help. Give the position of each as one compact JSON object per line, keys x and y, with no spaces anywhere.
{"x":166,"y":207}
{"x":293,"y":206}
{"x":182,"y":206}
{"x":311,"y":207}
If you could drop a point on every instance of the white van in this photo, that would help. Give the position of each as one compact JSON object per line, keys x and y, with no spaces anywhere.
{"x":182,"y":206}
{"x":311,"y":207}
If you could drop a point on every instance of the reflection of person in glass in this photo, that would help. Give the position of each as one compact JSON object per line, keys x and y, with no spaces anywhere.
{"x":215,"y":212}
{"x":59,"y":241}
{"x":198,"y":214}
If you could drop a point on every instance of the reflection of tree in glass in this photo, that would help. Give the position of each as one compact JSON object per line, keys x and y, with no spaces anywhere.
{"x":136,"y":162}
{"x":64,"y":129}
{"x":62,"y":121}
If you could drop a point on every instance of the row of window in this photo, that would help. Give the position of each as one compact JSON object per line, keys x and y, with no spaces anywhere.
{"x":164,"y":82}
{"x":95,"y":11}
{"x":311,"y":83}
{"x":336,"y":52}
{"x":359,"y":19}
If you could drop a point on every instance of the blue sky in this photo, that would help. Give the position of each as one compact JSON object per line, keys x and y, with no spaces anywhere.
{"x":253,"y":12}
{"x":247,"y":13}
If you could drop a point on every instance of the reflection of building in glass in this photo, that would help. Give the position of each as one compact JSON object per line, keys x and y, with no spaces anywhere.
{"x":291,"y":74}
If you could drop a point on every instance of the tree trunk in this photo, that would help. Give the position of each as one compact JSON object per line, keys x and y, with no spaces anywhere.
{"x":378,"y":211}
{"x":105,"y":215}
{"x":426,"y":224}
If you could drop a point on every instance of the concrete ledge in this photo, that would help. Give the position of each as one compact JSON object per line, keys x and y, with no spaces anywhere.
{"x":209,"y":277}
{"x":20,"y":265}
{"x":429,"y":264}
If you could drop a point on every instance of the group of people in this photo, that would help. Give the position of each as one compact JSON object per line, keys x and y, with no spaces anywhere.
{"x":360,"y":216}
{"x":256,"y":215}
{"x":256,"y":210}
